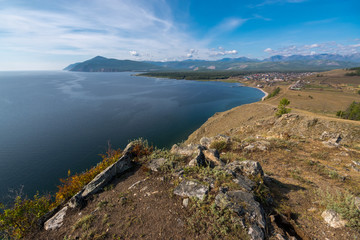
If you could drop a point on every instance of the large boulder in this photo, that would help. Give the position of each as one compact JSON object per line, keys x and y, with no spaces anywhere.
{"x":191,"y":189}
{"x":188,"y":150}
{"x":199,"y":160}
{"x":245,"y":205}
{"x":333,"y":219}
{"x":244,"y":183}
{"x":248,"y":167}
{"x":212,"y":156}
{"x":56,"y":221}
{"x":156,"y":164}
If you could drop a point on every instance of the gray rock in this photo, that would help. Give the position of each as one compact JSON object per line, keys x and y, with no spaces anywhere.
{"x":255,"y":232}
{"x":333,"y":219}
{"x":188,"y":150}
{"x":186,"y":202}
{"x":124,"y":163}
{"x":263,"y":145}
{"x":247,"y":167}
{"x":156,"y":164}
{"x":212,"y":155}
{"x":96,"y":185}
{"x":244,"y":204}
{"x":245,"y":183}
{"x":206,"y":142}
{"x":191,"y":189}
{"x":199,"y":160}
{"x":249,"y":148}
{"x":56,"y":221}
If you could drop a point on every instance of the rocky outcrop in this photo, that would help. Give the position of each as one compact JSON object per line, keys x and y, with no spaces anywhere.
{"x":57,"y":220}
{"x":333,"y":219}
{"x":248,"y":167}
{"x":244,"y":204}
{"x":97,"y":184}
{"x":191,"y":189}
{"x":156,"y":164}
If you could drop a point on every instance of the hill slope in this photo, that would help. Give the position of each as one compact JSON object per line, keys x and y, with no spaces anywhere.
{"x":101,"y":64}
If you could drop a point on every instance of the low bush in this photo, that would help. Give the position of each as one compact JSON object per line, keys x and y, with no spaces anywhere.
{"x":282,"y":107}
{"x":19,"y":220}
{"x":220,"y":146}
{"x":344,"y":204}
{"x":352,"y":112}
{"x":273,"y":93}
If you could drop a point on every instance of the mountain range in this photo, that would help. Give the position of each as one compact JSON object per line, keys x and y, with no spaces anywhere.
{"x":317,"y":62}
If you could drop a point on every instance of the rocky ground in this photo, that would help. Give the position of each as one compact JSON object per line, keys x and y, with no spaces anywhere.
{"x":256,"y":183}
{"x":244,"y":174}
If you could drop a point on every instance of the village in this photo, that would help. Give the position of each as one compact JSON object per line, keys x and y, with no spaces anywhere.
{"x":269,"y":79}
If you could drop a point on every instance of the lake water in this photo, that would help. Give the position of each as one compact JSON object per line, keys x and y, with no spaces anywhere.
{"x":54,"y":121}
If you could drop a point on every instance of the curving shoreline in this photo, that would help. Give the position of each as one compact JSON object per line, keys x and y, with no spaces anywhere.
{"x":266,"y":94}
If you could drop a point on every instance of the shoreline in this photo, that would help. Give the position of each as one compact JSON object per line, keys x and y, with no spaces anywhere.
{"x":266,"y":94}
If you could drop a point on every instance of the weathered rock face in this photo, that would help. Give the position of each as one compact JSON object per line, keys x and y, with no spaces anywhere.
{"x":245,"y":205}
{"x":156,"y":164}
{"x":245,"y":183}
{"x":188,"y":150}
{"x":212,"y":155}
{"x":191,"y":189}
{"x":248,"y":167}
{"x":333,"y":219}
{"x":57,"y":220}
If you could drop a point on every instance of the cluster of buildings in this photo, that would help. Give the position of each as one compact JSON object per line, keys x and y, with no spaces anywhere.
{"x":269,"y":79}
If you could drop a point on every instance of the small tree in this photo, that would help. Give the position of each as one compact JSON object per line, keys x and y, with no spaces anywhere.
{"x":282,"y":107}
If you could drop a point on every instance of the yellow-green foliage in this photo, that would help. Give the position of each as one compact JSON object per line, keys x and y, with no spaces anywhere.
{"x":75,"y":183}
{"x":282,"y":107}
{"x":221,"y":146}
{"x":17,"y":221}
{"x":344,"y":204}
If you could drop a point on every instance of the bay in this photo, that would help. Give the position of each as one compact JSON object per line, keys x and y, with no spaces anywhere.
{"x":52,"y":122}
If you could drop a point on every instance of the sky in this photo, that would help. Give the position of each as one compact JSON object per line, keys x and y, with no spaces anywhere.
{"x":49,"y":35}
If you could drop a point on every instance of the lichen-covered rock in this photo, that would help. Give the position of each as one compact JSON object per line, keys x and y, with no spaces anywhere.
{"x":56,"y":221}
{"x":255,"y":232}
{"x":206,"y":142}
{"x":245,"y":183}
{"x":248,"y":167}
{"x":199,"y":160}
{"x":188,"y":150}
{"x":213,"y":156}
{"x":156,"y":164}
{"x":244,"y":204}
{"x":333,"y":219}
{"x":191,"y":189}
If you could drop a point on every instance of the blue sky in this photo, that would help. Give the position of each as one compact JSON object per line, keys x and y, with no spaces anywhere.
{"x":49,"y":35}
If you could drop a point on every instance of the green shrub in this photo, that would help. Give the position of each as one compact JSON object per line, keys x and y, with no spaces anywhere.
{"x":273,"y":93}
{"x":344,"y":204}
{"x":282,"y":107}
{"x":19,"y":220}
{"x":221,"y":146}
{"x":352,"y":112}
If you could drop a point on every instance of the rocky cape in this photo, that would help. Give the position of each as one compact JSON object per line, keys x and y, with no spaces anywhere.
{"x":317,"y":62}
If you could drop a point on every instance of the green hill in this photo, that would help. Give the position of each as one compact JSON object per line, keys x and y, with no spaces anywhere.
{"x":101,"y":64}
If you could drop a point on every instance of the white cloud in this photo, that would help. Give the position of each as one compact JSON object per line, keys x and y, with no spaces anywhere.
{"x":134,"y":53}
{"x":231,"y":52}
{"x":271,"y":2}
{"x":105,"y":27}
{"x":327,"y":47}
{"x":222,"y":52}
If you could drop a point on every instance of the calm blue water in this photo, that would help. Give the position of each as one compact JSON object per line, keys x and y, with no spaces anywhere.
{"x":54,"y":121}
